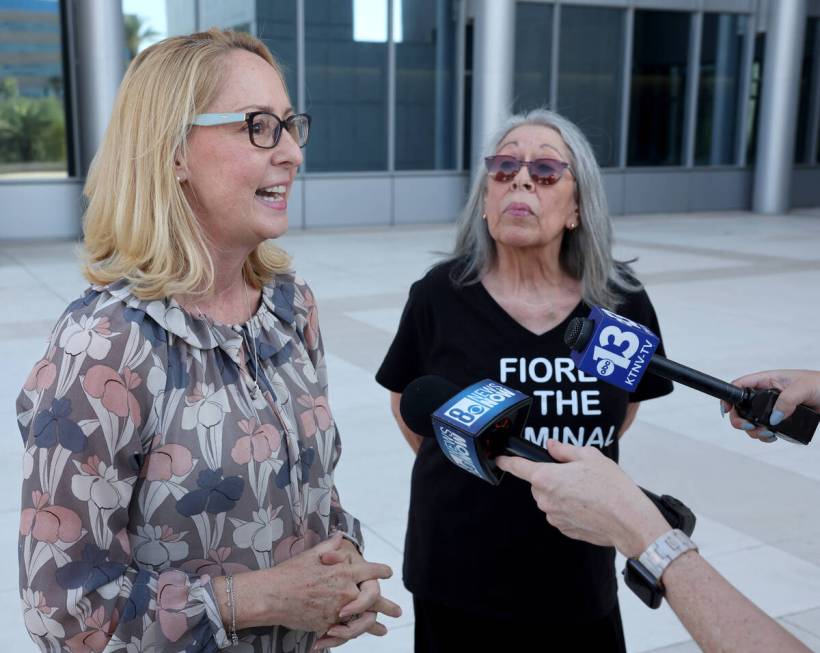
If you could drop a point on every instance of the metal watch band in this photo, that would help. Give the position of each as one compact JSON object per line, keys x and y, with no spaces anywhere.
{"x":664,"y":550}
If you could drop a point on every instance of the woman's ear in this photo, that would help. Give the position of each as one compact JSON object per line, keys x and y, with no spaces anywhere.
{"x":180,"y":170}
{"x":574,"y":220}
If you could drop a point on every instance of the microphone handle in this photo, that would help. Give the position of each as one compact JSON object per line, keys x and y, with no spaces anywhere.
{"x":518,"y":447}
{"x":752,"y":405}
{"x":697,"y":380}
{"x":674,"y":511}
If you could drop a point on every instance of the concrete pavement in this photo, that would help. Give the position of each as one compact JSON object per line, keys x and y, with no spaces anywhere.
{"x":734,"y":292}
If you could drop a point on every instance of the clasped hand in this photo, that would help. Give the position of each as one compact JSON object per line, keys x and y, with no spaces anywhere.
{"x":318,"y":590}
{"x":358,"y":613}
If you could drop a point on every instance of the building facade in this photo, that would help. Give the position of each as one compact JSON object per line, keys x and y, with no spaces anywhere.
{"x":690,"y":105}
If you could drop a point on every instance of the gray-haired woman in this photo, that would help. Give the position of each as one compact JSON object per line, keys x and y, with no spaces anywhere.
{"x":533,"y":250}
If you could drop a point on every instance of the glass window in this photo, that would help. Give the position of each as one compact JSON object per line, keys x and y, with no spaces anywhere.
{"x":274,"y":23}
{"x":346,"y":84}
{"x":721,"y":58}
{"x":533,"y":55}
{"x":590,"y":75}
{"x":145,"y":23}
{"x":425,"y":84}
{"x":181,"y":17}
{"x":803,"y":150}
{"x":32,"y":113}
{"x":658,"y":93}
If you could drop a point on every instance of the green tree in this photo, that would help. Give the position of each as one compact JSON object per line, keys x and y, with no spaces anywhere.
{"x":136,"y":33}
{"x":31,"y":129}
{"x":8,"y":88}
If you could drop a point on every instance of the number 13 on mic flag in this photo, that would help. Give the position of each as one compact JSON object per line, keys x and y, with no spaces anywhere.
{"x":619,"y":350}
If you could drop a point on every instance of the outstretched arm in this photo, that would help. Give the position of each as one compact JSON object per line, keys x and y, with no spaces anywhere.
{"x":590,"y":498}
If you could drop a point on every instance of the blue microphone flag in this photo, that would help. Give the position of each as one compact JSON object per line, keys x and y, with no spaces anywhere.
{"x":619,"y":350}
{"x":462,"y":420}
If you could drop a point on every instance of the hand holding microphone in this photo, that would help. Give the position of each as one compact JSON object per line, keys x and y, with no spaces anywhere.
{"x":797,"y":387}
{"x":619,"y":351}
{"x":475,"y":425}
{"x":589,"y":497}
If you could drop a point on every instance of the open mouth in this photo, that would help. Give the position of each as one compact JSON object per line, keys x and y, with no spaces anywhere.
{"x":272,"y":193}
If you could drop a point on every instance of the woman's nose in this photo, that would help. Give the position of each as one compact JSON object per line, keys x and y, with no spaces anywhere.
{"x":522,"y":179}
{"x":287,"y":151}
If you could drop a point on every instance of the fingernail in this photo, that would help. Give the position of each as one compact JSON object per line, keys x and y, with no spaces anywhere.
{"x":722,"y":409}
{"x":766,"y":433}
{"x":776,"y":417}
{"x":746,"y":426}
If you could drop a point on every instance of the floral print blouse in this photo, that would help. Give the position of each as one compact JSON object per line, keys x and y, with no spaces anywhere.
{"x":150,"y":468}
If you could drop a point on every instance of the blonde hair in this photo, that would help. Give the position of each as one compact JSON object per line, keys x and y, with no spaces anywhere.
{"x":138,"y":224}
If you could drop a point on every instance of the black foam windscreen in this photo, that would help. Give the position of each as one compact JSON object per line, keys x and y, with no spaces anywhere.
{"x":578,"y":333}
{"x":421,"y":398}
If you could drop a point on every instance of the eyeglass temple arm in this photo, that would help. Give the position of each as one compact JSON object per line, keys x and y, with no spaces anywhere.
{"x":210,"y":119}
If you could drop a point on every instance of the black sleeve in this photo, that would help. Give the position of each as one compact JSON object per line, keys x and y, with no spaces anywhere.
{"x":639,"y":308}
{"x":405,"y":359}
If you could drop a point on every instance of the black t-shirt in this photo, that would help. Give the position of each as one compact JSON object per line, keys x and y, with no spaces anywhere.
{"x":485,"y":548}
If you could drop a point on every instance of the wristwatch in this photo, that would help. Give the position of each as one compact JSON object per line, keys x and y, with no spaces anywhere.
{"x":643,"y":574}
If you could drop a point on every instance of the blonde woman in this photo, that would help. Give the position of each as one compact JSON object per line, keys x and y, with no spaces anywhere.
{"x":179,"y":447}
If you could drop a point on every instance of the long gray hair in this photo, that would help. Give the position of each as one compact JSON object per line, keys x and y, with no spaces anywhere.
{"x":586,"y":252}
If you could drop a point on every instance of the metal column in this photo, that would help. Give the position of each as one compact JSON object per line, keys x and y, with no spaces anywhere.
{"x":690,"y":113}
{"x":445,"y":50}
{"x":493,"y":43}
{"x":100,"y":46}
{"x":778,"y":112}
{"x":720,"y":151}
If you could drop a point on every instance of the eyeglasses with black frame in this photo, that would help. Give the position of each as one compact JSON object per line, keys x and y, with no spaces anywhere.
{"x":545,"y":172}
{"x":264,"y":128}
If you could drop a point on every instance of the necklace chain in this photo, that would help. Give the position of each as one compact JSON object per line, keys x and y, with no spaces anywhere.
{"x":255,"y":388}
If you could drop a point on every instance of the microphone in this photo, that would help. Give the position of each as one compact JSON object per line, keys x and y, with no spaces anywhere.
{"x":619,"y":351}
{"x":472,"y":426}
{"x":485,"y":420}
